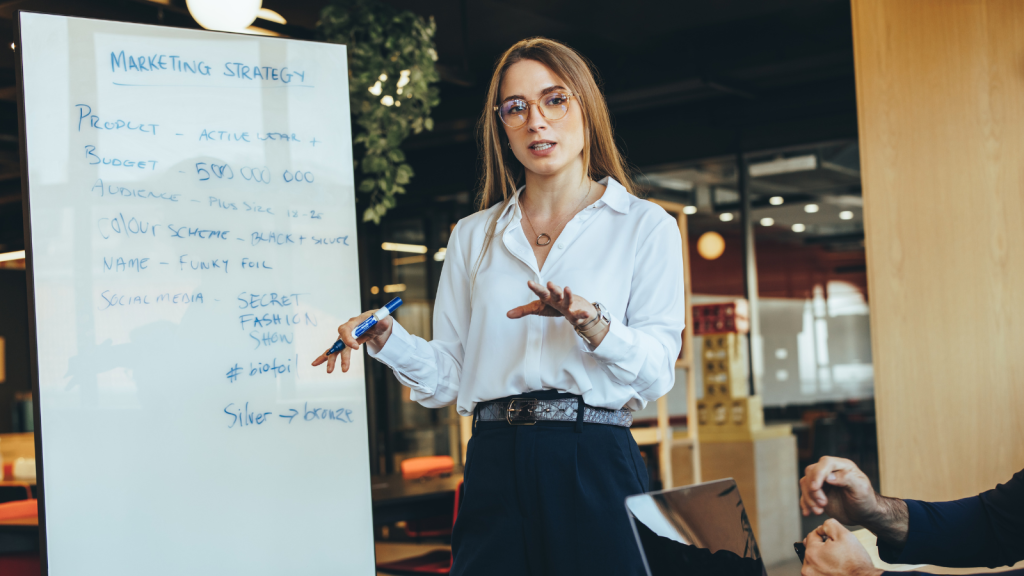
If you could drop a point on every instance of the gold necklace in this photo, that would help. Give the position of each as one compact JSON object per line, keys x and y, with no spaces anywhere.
{"x":545,"y":234}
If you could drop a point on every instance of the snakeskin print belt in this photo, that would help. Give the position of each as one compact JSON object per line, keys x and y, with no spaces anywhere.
{"x":527,"y":411}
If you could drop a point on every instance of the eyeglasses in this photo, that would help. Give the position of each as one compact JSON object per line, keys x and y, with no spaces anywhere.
{"x":515,"y":112}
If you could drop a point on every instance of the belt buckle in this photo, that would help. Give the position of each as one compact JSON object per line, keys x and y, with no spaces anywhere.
{"x":513,"y":410}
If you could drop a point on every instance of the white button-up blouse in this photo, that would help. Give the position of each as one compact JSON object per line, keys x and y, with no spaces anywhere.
{"x":621,"y":251}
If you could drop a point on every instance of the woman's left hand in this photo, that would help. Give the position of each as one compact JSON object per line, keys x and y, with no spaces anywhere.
{"x":555,"y":301}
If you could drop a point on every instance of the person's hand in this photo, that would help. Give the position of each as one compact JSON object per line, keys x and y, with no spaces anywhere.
{"x":555,"y":301}
{"x":832,"y":550}
{"x":837,"y":487}
{"x":377,"y":336}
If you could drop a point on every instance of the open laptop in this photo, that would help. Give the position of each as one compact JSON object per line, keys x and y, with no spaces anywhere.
{"x":699,"y":530}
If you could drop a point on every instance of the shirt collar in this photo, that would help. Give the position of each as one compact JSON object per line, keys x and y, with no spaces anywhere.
{"x":615,"y":197}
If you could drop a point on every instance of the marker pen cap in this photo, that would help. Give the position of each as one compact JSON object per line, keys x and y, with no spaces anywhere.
{"x":393,"y":305}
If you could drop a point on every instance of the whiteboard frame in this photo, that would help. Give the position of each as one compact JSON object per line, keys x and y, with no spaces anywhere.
{"x":33,"y":352}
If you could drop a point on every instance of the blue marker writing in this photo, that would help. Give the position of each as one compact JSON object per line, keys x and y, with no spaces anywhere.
{"x":368,"y":323}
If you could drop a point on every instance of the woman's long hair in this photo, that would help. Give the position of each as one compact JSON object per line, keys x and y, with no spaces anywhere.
{"x":502,"y":171}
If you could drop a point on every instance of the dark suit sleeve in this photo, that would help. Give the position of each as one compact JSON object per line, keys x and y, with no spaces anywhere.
{"x":985,"y":530}
{"x":1007,"y":573}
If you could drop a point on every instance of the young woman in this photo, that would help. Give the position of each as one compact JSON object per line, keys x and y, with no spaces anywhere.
{"x":551,"y":375}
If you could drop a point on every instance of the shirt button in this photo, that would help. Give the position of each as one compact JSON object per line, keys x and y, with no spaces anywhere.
{"x":559,"y":245}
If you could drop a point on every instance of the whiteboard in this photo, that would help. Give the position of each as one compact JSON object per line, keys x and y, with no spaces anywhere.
{"x":192,"y":248}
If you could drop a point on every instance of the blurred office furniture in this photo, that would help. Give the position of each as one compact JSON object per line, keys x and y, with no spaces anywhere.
{"x":734,"y":440}
{"x":19,"y":538}
{"x":765,"y":469}
{"x":396,"y":499}
{"x":669,"y":444}
{"x":435,"y":562}
{"x":423,"y":469}
{"x":939,"y":88}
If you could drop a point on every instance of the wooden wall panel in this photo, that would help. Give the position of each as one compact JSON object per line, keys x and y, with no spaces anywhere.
{"x":940,"y":95}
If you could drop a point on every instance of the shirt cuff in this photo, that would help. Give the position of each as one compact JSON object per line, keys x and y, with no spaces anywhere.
{"x":905,"y":555}
{"x":617,"y":345}
{"x":397,"y":351}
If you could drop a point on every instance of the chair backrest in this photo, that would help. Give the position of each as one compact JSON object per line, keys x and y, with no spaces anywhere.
{"x":19,"y":509}
{"x":426,"y":467}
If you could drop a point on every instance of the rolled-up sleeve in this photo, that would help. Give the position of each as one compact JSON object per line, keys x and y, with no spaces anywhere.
{"x":641,"y":350}
{"x":433,"y":370}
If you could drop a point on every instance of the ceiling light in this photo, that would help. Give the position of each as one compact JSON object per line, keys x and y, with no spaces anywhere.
{"x":767,"y":221}
{"x":846,"y":215}
{"x":689,"y":210}
{"x":775,"y":200}
{"x":271,"y":16}
{"x":19,"y":255}
{"x":799,"y":228}
{"x":811,"y":208}
{"x":396,"y":247}
{"x":784,"y":166}
{"x":224,"y":15}
{"x":725,"y":217}
{"x":710,"y":245}
{"x":392,"y":288}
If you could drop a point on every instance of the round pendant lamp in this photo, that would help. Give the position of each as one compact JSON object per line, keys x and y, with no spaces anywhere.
{"x":224,"y":15}
{"x":710,"y":245}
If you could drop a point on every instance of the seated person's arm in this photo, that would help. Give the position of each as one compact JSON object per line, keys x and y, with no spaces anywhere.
{"x":836,"y":486}
{"x":985,"y":530}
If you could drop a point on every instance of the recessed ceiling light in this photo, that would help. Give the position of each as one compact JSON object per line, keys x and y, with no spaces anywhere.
{"x":688,"y":210}
{"x":767,"y":221}
{"x":811,"y":208}
{"x":725,"y":217}
{"x":775,"y":200}
{"x":799,"y":227}
{"x":846,"y":215}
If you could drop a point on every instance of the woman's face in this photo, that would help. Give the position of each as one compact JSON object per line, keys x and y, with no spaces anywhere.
{"x":530,"y":80}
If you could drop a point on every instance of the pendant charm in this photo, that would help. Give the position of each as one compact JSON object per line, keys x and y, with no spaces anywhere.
{"x":545,"y":243}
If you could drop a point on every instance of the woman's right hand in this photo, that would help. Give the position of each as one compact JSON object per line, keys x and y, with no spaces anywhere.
{"x":376,"y":337}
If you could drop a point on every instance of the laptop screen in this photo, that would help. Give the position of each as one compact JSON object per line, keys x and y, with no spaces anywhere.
{"x":699,"y":530}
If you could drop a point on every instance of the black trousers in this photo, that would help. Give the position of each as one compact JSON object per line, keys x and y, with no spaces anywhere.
{"x":548,"y":500}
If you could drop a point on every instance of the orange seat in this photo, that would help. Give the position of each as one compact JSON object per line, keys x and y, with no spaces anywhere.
{"x":427,"y":467}
{"x":19,"y":564}
{"x":19,"y":509}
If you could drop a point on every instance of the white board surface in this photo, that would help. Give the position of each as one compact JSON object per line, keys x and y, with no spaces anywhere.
{"x":193,"y":248}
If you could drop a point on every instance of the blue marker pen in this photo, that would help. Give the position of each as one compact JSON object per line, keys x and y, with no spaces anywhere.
{"x":368,"y":323}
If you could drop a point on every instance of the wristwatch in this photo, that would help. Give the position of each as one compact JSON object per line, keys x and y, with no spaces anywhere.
{"x":595,"y":325}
